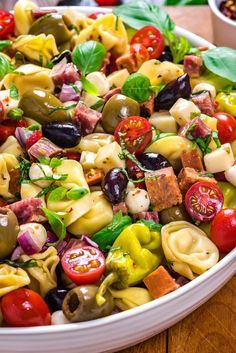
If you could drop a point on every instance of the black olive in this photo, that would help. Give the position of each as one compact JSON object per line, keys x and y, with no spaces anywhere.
{"x":179,"y":88}
{"x":153,"y":161}
{"x":54,"y":298}
{"x":64,"y":134}
{"x":166,"y":55}
{"x":114,"y":185}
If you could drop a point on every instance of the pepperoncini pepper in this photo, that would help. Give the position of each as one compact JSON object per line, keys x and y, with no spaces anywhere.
{"x":227,"y":102}
{"x":135,"y":253}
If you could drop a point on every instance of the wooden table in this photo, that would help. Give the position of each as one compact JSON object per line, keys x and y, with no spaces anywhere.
{"x":212,"y":327}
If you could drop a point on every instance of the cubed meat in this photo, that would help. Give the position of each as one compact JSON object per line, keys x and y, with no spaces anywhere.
{"x":147,"y":216}
{"x":64,"y":72}
{"x":189,"y":176}
{"x":120,"y":207}
{"x":147,"y":108}
{"x":192,"y":159}
{"x":14,"y":186}
{"x":105,"y":63}
{"x":163,"y":189}
{"x":204,"y":102}
{"x":87,"y":117}
{"x":28,"y":210}
{"x":127,"y":61}
{"x":196,"y":128}
{"x":44,"y":148}
{"x":160,"y":283}
{"x":94,"y":176}
{"x":193,"y":65}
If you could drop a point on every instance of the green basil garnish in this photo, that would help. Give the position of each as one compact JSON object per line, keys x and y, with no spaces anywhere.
{"x":76,"y":193}
{"x":137,"y":87}
{"x":14,"y":92}
{"x":55,"y":222}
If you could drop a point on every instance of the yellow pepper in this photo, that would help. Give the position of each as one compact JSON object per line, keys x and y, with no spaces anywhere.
{"x":227,"y":102}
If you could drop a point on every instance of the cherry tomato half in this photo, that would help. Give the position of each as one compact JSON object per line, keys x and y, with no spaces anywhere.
{"x":203,"y":201}
{"x":136,"y":133}
{"x":8,"y":127}
{"x":140,"y":53}
{"x":7,"y":24}
{"x":151,"y":38}
{"x":226,"y":126}
{"x":83,"y":265}
{"x":223,"y":230}
{"x":24,"y":307}
{"x":36,"y":135}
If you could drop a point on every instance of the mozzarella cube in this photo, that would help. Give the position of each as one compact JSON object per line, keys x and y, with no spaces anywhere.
{"x":204,"y":86}
{"x":182,"y":110}
{"x":87,"y":159}
{"x":118,"y":78}
{"x":137,"y":200}
{"x":219,"y":160}
{"x":8,"y":102}
{"x":163,"y":121}
{"x":108,"y":157}
{"x":230,"y":175}
{"x":99,"y":80}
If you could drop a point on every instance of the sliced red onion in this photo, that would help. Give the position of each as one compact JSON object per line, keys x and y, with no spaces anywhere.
{"x":60,"y":246}
{"x":88,"y":241}
{"x":17,"y":252}
{"x":22,"y":135}
{"x":32,"y":237}
{"x":70,"y":93}
{"x":58,"y":69}
{"x":51,"y":238}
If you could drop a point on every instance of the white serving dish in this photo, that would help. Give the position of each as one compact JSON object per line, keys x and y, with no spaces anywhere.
{"x":224,"y":29}
{"x":121,"y":330}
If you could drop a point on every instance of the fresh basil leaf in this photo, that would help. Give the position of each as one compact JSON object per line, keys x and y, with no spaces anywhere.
{"x":137,"y":86}
{"x":4,"y":44}
{"x":138,"y":14}
{"x":62,"y":107}
{"x":55,"y":222}
{"x":44,"y":160}
{"x":98,"y":104}
{"x":88,"y":56}
{"x":151,"y":224}
{"x":76,"y":193}
{"x":227,"y":89}
{"x":55,"y":162}
{"x":24,"y":168}
{"x":44,"y":191}
{"x":15,"y":113}
{"x":157,"y":89}
{"x":221,"y":61}
{"x":33,"y":127}
{"x":57,"y":194}
{"x":14,"y":92}
{"x":27,"y":264}
{"x":5,"y":66}
{"x":89,"y":86}
{"x":178,"y":46}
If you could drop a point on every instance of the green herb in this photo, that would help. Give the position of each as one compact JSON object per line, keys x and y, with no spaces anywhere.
{"x":5,"y":66}
{"x":137,"y":181}
{"x":216,"y":138}
{"x":88,"y":56}
{"x":75,"y":87}
{"x":24,"y":168}
{"x":14,"y":92}
{"x":33,"y":127}
{"x":76,"y":193}
{"x":137,"y":86}
{"x":98,"y":104}
{"x":89,"y":86}
{"x":62,"y":107}
{"x":195,"y":50}
{"x":27,"y":264}
{"x":71,"y":27}
{"x":15,"y":113}
{"x":55,"y":177}
{"x":227,"y":89}
{"x":178,"y":46}
{"x":206,"y":175}
{"x":117,"y":23}
{"x":55,"y":162}
{"x":162,"y":135}
{"x":57,"y":194}
{"x":169,"y":264}
{"x":157,"y":89}
{"x":44,"y":191}
{"x":138,"y":14}
{"x":44,"y":160}
{"x":151,"y":224}
{"x":49,"y":64}
{"x":5,"y":43}
{"x":40,"y":58}
{"x":55,"y":222}
{"x":221,"y":61}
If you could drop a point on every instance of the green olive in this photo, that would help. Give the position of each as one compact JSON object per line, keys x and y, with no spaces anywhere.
{"x":51,"y":24}
{"x":172,"y":214}
{"x":80,"y":304}
{"x":117,"y":108}
{"x":9,"y":230}
{"x":41,"y":106}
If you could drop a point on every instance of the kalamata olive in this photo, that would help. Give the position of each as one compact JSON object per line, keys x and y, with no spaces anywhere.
{"x":9,"y":230}
{"x":54,"y":298}
{"x":64,"y":135}
{"x":135,"y":173}
{"x":178,"y":88}
{"x":153,"y":161}
{"x":117,"y":108}
{"x":114,"y":185}
{"x":172,"y":214}
{"x":166,"y":55}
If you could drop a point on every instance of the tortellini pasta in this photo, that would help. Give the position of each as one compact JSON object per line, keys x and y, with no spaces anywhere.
{"x":74,"y":209}
{"x":96,"y":218}
{"x":108,"y":157}
{"x":12,"y":146}
{"x":188,"y":249}
{"x":28,"y":77}
{"x":92,"y":142}
{"x":43,"y":276}
{"x":8,"y":162}
{"x":23,"y":17}
{"x":12,"y":278}
{"x":130,"y":297}
{"x":40,"y":48}
{"x":78,"y":19}
{"x":31,"y":190}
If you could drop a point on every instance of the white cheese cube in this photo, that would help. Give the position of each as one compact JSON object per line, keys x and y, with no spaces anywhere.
{"x":182,"y":110}
{"x":87,"y":159}
{"x":137,"y":200}
{"x":99,"y":80}
{"x":164,"y":122}
{"x":118,"y":78}
{"x":230,"y":175}
{"x":108,"y":157}
{"x":204,"y":86}
{"x":8,"y":102}
{"x":219,"y":160}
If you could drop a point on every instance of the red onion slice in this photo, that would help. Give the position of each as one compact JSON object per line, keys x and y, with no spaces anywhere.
{"x":32,"y":237}
{"x":17,"y":252}
{"x":88,"y":241}
{"x":22,"y":135}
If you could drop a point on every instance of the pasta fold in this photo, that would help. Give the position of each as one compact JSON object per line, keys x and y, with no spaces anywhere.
{"x":22,"y":16}
{"x":12,"y":278}
{"x":8,"y":162}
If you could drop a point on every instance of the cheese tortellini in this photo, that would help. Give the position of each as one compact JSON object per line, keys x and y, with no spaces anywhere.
{"x":188,"y":249}
{"x":31,"y":190}
{"x":23,"y":17}
{"x":43,"y":276}
{"x":12,"y":146}
{"x":98,"y":216}
{"x":12,"y":278}
{"x":78,"y":19}
{"x":92,"y":142}
{"x":8,"y":162}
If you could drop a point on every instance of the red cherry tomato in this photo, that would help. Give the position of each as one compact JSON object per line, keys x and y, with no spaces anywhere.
{"x":83,"y":265}
{"x":7,"y":24}
{"x":203,"y":201}
{"x":136,"y":133}
{"x":226,"y":126}
{"x":36,"y":135}
{"x":73,"y":155}
{"x":140,"y":53}
{"x":223,"y":230}
{"x":152,"y":39}
{"x":108,"y":2}
{"x":24,"y":307}
{"x":8,"y":127}
{"x":95,"y":15}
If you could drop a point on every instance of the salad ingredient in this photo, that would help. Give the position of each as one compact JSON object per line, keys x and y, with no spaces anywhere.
{"x":166,"y":55}
{"x":223,"y":230}
{"x":5,"y":66}
{"x":131,"y":297}
{"x":8,"y":129}
{"x":229,"y":192}
{"x":83,"y":265}
{"x":99,"y":80}
{"x":153,"y":161}
{"x":193,"y":65}
{"x":179,"y":46}
{"x":114,"y":185}
{"x":54,"y":298}
{"x":137,"y":200}
{"x":219,"y":160}
{"x":9,"y":230}
{"x":172,"y":214}
{"x":12,"y":277}
{"x":204,"y":102}
{"x":140,"y":54}
{"x":228,"y":9}
{"x":182,"y":110}
{"x":226,"y":102}
{"x":41,"y":171}
{"x":70,"y":92}
{"x":80,"y":304}
{"x":108,"y":157}
{"x":204,"y":86}
{"x":226,"y":126}
{"x":27,"y":210}
{"x":94,"y":176}
{"x":203,"y":201}
{"x":137,"y":86}
{"x":159,"y":283}
{"x":230,"y":175}
{"x":32,"y":237}
{"x":7,"y":24}
{"x":58,"y":318}
{"x":164,"y":122}
{"x":55,"y":222}
{"x":189,"y":176}
{"x":88,"y":118}
{"x":192,"y":159}
{"x":151,"y":38}
{"x":43,"y":148}
{"x":135,"y":133}
{"x":64,"y":134}
{"x":24,"y":307}
{"x":178,"y":88}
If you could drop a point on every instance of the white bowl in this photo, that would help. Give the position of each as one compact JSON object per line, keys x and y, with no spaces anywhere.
{"x":224,"y":29}
{"x":121,"y":330}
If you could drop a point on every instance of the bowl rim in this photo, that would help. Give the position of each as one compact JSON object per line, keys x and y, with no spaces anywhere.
{"x":226,"y":261}
{"x":214,"y":8}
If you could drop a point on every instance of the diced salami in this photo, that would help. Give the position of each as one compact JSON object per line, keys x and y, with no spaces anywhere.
{"x":127,"y":61}
{"x":147,"y":216}
{"x":196,"y":127}
{"x":189,"y":176}
{"x":28,"y":210}
{"x":120,"y":207}
{"x":37,"y":13}
{"x":193,"y":65}
{"x":14,"y":186}
{"x":192,"y":159}
{"x":87,"y":117}
{"x":94,"y":176}
{"x":204,"y":102}
{"x":163,"y":189}
{"x":64,"y":72}
{"x":147,"y":108}
{"x":44,"y":148}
